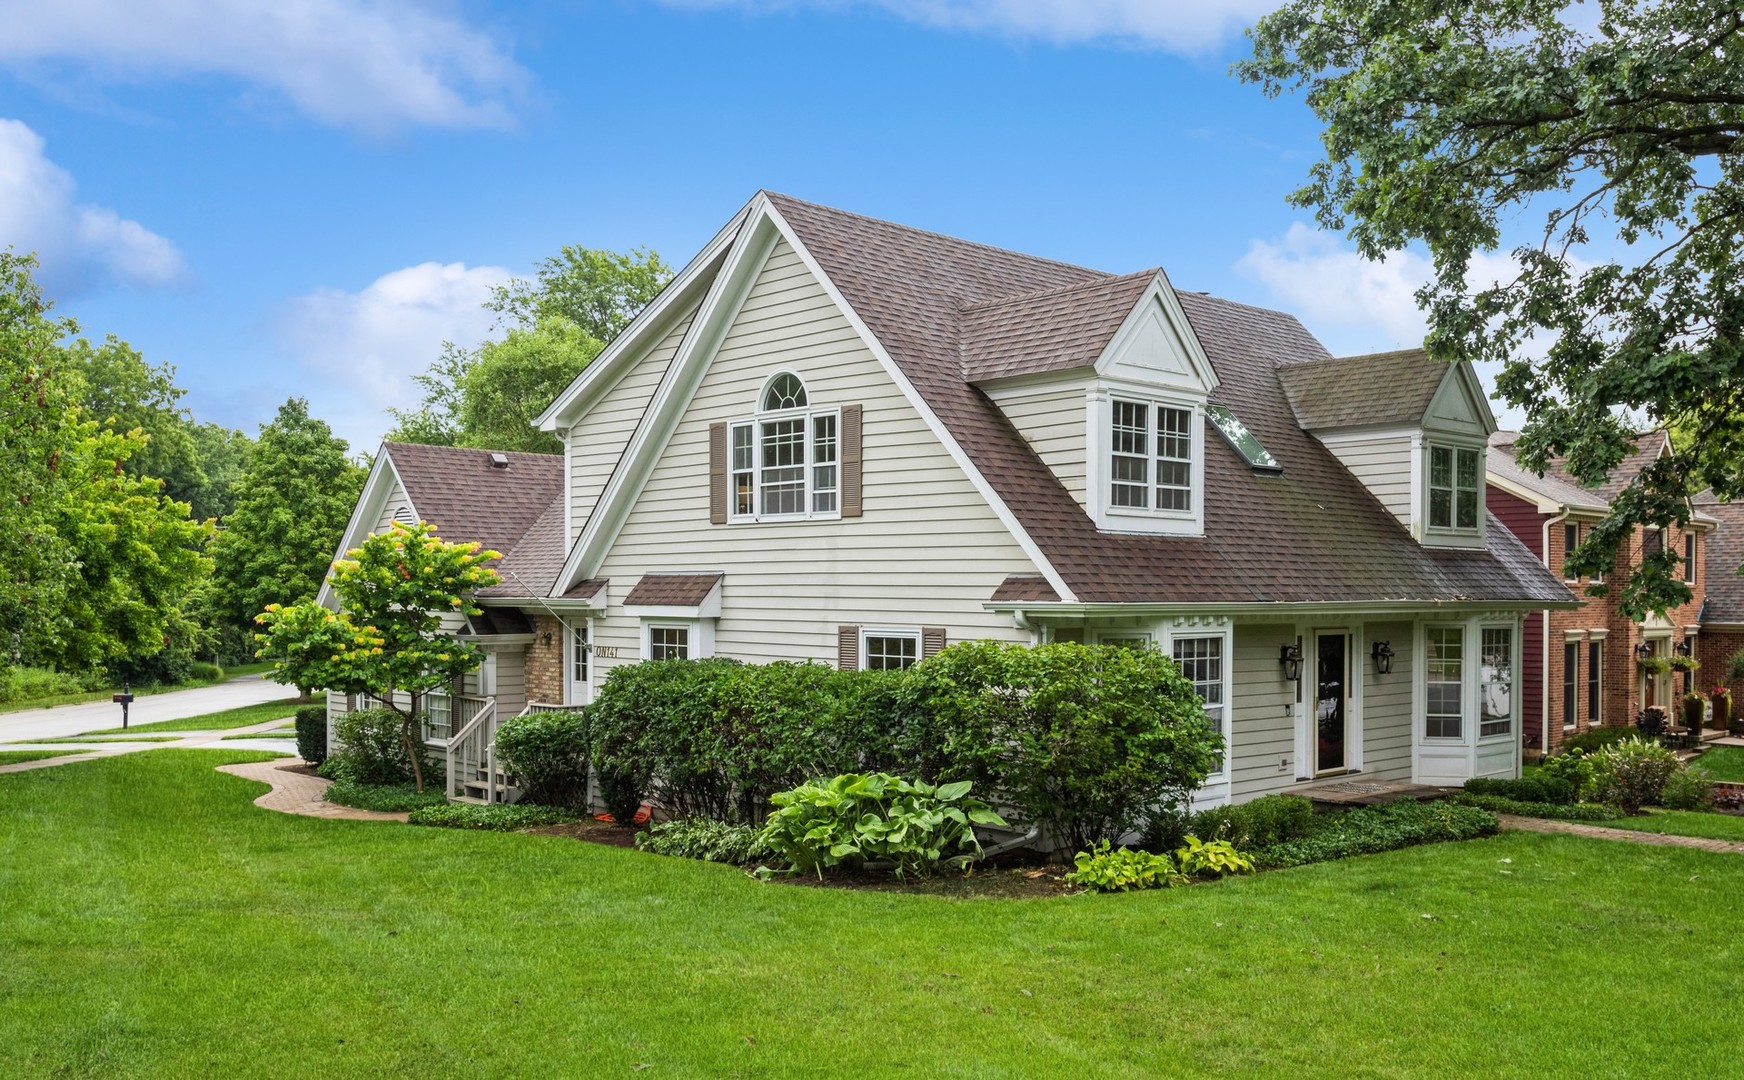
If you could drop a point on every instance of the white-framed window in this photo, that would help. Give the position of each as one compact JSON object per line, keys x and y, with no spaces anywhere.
{"x":1456,"y":480}
{"x":1496,"y":681}
{"x":784,"y":461}
{"x":576,"y":667}
{"x":1201,"y":660}
{"x":1150,"y":465}
{"x":889,"y":650}
{"x":1444,"y":682}
{"x":669,"y":641}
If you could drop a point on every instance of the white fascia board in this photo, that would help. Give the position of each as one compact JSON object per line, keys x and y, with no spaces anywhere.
{"x":920,"y":405}
{"x":381,"y":480}
{"x":1474,"y":388}
{"x":599,"y":374}
{"x":595,"y":604}
{"x":1260,"y":611}
{"x":1540,"y":502}
{"x":1160,"y":292}
{"x":726,"y":294}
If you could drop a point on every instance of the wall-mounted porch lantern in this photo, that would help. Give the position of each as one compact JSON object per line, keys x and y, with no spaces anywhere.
{"x":1290,"y":656}
{"x":1383,"y":657}
{"x":1684,"y":648}
{"x":1643,"y":650}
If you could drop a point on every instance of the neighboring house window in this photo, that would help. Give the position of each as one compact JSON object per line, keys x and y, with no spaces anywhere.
{"x":1570,"y":541}
{"x":668,"y":642}
{"x":1689,"y":557}
{"x":1652,"y":542}
{"x":1595,"y":651}
{"x":1151,"y":460}
{"x":1444,"y":682}
{"x":1454,"y":480}
{"x":1201,"y":661}
{"x":784,"y":461}
{"x":1496,"y":682}
{"x":889,"y":650}
{"x":1570,"y":683}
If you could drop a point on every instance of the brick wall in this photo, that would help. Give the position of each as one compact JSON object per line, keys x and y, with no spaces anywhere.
{"x":545,"y":661}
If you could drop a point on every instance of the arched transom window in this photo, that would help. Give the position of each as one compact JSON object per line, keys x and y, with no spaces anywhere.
{"x":785,"y":459}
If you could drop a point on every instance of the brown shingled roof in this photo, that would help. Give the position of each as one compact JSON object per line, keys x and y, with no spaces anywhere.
{"x":1314,"y":534}
{"x":1052,"y":330}
{"x":672,"y":590}
{"x":1723,"y":553}
{"x":1025,"y":587}
{"x":1648,"y":446}
{"x":458,"y":491}
{"x":1350,"y":391}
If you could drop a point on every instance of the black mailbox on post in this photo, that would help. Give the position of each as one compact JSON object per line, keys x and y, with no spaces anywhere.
{"x":124,"y":699}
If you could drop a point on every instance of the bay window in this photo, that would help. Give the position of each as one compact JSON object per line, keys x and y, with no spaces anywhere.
{"x":1201,"y":660}
{"x":1496,"y":682}
{"x":1444,"y":682}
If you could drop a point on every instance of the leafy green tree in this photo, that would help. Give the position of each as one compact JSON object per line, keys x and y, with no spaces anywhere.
{"x":553,"y":326}
{"x":223,"y":454}
{"x":124,"y":391}
{"x":389,"y":634}
{"x":1447,"y":124}
{"x":291,"y":509}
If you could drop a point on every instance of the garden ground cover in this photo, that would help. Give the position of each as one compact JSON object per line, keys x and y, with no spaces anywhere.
{"x":158,"y":923}
{"x":245,"y":716}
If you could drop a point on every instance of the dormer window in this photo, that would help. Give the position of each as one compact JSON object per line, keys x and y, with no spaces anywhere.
{"x":1151,"y":464}
{"x":1455,"y":484}
{"x":784,"y":462}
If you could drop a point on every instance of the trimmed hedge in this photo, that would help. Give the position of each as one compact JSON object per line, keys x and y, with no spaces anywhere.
{"x":1598,"y":738}
{"x":1268,"y":820}
{"x":1497,"y":804}
{"x":312,"y":734}
{"x":547,"y":754}
{"x":1530,"y":789}
{"x":1373,"y":829}
{"x":494,"y":817}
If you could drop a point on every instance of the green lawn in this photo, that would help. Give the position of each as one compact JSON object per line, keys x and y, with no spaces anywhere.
{"x":1684,"y":823}
{"x":1723,"y":762}
{"x":102,"y":739}
{"x":276,"y":733}
{"x":246,"y":716}
{"x":16,"y":757}
{"x":156,"y":923}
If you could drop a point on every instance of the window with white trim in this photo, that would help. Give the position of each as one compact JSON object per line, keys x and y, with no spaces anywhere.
{"x":1455,"y":482}
{"x":578,"y":655}
{"x":668,"y":642}
{"x":784,"y":462}
{"x":1444,"y":682}
{"x":1150,"y":457}
{"x":1496,"y":682}
{"x":889,"y":650}
{"x":1201,"y":662}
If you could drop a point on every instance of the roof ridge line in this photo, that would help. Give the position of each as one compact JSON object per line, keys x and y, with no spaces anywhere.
{"x":1018,"y":298}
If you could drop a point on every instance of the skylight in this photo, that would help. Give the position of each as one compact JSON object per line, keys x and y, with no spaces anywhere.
{"x":1238,"y":436}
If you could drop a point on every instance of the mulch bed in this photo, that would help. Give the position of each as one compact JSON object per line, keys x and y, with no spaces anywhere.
{"x":594,"y":832}
{"x":301,"y":768}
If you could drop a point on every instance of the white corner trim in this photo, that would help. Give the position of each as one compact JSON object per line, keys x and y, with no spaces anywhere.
{"x":919,"y":404}
{"x":751,"y":249}
{"x":370,"y":501}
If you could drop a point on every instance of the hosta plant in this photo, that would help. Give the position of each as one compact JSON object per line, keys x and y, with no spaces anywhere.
{"x":1215,"y":858}
{"x":860,"y":818}
{"x":1116,"y":869}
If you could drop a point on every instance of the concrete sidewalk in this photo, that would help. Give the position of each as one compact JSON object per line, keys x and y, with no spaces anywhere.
{"x":63,"y":720}
{"x":185,"y":740}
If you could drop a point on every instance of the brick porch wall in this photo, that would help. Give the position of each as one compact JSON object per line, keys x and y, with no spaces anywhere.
{"x":545,"y":661}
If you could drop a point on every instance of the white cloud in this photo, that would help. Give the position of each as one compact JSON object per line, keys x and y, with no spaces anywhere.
{"x":76,"y":242}
{"x":374,"y":65}
{"x":1353,"y":304}
{"x":362,"y":348}
{"x":1155,"y":24}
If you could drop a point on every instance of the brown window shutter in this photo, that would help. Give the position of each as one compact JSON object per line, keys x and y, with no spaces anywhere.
{"x":932,"y":641}
{"x":717,"y":474}
{"x":848,"y":648}
{"x":851,"y":422}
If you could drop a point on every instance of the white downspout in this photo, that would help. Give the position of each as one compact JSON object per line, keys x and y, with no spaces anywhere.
{"x":1544,"y":668}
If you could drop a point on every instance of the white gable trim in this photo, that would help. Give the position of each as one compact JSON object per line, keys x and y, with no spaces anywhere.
{"x":1468,"y":384}
{"x":1159,"y":293}
{"x":648,"y":327}
{"x":756,"y":238}
{"x":376,"y":488}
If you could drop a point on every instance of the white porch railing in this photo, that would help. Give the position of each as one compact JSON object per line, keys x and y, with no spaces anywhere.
{"x":547,"y":707}
{"x":471,"y":758}
{"x":444,"y":714}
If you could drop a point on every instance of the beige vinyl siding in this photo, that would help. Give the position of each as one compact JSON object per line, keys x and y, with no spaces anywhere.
{"x":1387,"y":702}
{"x":511,"y":681}
{"x":1051,"y":419}
{"x":598,"y":437}
{"x":1264,"y":722}
{"x":1382,"y":462}
{"x":927,"y":552}
{"x":397,"y":501}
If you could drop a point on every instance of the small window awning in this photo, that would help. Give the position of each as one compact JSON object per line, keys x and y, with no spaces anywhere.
{"x":693,"y":596}
{"x":1243,"y":441}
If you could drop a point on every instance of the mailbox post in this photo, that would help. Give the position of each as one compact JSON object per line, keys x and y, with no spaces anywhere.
{"x":124,"y":699}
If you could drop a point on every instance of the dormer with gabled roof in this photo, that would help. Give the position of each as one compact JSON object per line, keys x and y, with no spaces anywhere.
{"x":1413,"y":429}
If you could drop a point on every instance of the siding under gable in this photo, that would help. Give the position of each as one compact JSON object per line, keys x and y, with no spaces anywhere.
{"x":928,"y":550}
{"x":598,"y":437}
{"x":1052,"y":420}
{"x":1382,"y":462}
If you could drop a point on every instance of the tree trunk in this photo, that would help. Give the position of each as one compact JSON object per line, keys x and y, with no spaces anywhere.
{"x":305,"y":695}
{"x":412,"y":753}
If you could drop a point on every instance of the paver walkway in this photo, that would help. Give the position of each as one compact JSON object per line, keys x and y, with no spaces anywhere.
{"x":299,"y":793}
{"x":1633,"y":836}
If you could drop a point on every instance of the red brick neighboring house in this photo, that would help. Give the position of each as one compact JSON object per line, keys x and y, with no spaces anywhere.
{"x":1722,"y":610}
{"x":1581,"y":668}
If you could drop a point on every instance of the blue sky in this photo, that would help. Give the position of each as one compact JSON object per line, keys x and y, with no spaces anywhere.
{"x":309,"y":200}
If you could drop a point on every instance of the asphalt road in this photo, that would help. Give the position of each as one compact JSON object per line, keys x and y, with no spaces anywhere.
{"x":64,"y":720}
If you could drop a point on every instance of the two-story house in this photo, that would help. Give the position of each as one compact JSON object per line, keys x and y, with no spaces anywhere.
{"x":844,"y":440}
{"x":1583,"y":667}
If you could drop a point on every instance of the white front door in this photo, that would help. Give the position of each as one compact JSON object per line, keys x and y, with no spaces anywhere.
{"x":577,"y":688}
